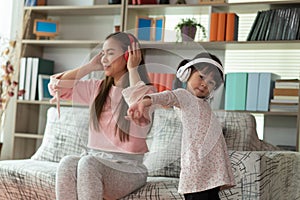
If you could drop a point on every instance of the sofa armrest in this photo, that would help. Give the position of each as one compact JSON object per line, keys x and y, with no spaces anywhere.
{"x":262,"y":175}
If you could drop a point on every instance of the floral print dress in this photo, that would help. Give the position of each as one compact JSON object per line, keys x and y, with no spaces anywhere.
{"x":205,"y":162}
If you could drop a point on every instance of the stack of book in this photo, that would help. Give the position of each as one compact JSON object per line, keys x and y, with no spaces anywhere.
{"x":276,"y":24}
{"x":286,"y":95}
{"x":224,"y":27}
{"x":250,"y":91}
{"x":162,"y":81}
{"x":30,"y":70}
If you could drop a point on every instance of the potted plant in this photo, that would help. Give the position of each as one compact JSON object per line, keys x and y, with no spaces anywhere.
{"x":187,"y":29}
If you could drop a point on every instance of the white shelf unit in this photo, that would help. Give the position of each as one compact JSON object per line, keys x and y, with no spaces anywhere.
{"x":84,"y":28}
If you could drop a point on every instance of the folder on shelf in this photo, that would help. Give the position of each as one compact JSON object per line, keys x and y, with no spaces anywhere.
{"x":252,"y":91}
{"x":236,"y":90}
{"x":265,"y":91}
{"x":213,"y":27}
{"x":232,"y":26}
{"x":221,"y":26}
{"x":22,"y":76}
{"x":28,"y":78}
{"x":39,"y":66}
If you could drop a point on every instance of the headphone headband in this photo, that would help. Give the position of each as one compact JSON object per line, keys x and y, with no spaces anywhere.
{"x":183,"y":72}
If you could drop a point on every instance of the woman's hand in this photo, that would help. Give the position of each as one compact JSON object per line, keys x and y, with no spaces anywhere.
{"x":135,"y":56}
{"x":95,"y":62}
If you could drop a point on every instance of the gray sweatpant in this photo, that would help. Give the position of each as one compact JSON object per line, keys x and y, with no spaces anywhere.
{"x":99,"y":175}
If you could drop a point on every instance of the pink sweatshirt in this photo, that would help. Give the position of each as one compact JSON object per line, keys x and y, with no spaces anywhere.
{"x":84,"y":92}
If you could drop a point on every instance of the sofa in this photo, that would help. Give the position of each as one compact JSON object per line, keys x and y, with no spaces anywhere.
{"x":261,"y":170}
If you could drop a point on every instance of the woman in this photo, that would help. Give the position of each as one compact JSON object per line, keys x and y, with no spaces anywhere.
{"x":112,"y":168}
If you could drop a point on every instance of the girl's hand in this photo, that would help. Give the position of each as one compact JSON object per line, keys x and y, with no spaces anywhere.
{"x":139,"y":112}
{"x":95,"y":62}
{"x":135,"y":56}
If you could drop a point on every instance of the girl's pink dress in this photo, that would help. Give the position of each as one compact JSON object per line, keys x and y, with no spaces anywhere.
{"x":205,"y":163}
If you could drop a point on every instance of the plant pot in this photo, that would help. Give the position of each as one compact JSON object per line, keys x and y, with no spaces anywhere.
{"x":188,"y":33}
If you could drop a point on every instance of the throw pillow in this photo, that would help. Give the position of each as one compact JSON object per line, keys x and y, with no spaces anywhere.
{"x":164,"y":139}
{"x":64,"y":135}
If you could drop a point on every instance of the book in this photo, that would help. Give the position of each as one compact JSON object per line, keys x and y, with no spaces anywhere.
{"x":232,"y":25}
{"x":169,"y":81}
{"x":213,"y":26}
{"x":252,"y":91}
{"x":281,"y":21}
{"x":258,"y":26}
{"x":284,"y":107}
{"x":28,"y":78}
{"x":221,"y":26}
{"x":162,"y":82}
{"x":265,"y":91}
{"x":236,"y":90}
{"x":264,"y":24}
{"x":22,"y":76}
{"x":285,"y":92}
{"x":286,"y":97}
{"x":39,"y":66}
{"x":294,"y":26}
{"x":284,"y":100}
{"x":287,"y":24}
{"x":35,"y":2}
{"x":156,"y":80}
{"x":288,"y":83}
{"x":253,"y":26}
{"x":269,"y":25}
{"x":150,"y":28}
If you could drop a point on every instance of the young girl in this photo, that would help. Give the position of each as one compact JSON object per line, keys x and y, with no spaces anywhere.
{"x":205,"y":164}
{"x":112,"y":168}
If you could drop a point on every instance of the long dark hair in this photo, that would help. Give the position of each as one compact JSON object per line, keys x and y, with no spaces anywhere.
{"x":122,"y":126}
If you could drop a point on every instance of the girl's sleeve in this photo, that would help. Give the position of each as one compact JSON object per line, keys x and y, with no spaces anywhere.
{"x":165,"y":98}
{"x":135,"y":93}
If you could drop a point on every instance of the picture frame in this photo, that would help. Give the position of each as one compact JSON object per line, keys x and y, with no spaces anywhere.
{"x":45,"y":28}
{"x":43,"y":91}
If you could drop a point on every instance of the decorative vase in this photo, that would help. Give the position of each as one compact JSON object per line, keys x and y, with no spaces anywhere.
{"x":188,"y":33}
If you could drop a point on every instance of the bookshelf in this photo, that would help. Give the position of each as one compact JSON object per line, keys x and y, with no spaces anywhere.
{"x":80,"y":35}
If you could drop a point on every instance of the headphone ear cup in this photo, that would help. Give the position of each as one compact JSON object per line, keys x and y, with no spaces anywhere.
{"x":183,"y":74}
{"x":126,"y":55}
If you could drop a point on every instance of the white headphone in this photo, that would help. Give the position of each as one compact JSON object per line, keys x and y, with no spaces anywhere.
{"x":184,"y":72}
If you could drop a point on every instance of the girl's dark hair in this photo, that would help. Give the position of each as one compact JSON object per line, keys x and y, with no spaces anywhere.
{"x":201,"y":66}
{"x":122,"y":125}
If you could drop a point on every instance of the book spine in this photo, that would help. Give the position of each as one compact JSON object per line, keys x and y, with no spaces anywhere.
{"x":231,"y":27}
{"x":221,"y":27}
{"x":213,"y":27}
{"x":285,"y":92}
{"x":22,"y":76}
{"x":236,"y":91}
{"x":28,"y":78}
{"x":252,"y":91}
{"x":265,"y":91}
